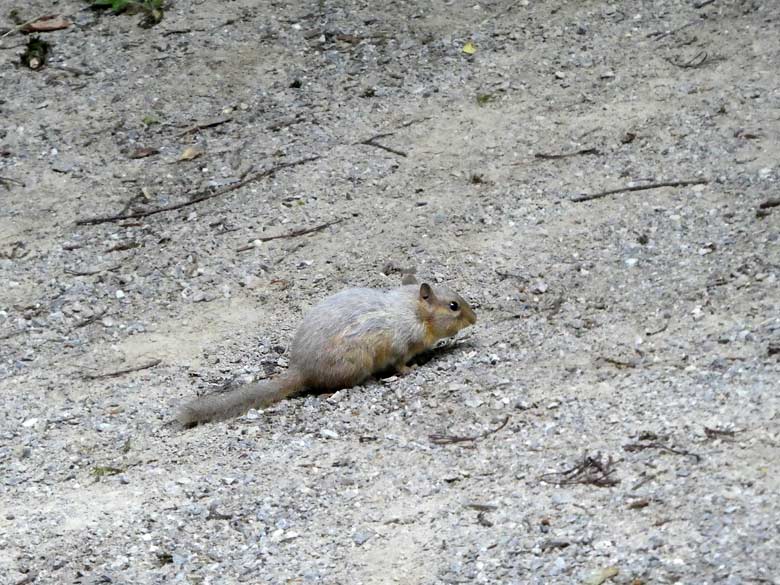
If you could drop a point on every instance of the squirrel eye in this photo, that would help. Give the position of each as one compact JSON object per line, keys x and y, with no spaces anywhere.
{"x":454,"y":306}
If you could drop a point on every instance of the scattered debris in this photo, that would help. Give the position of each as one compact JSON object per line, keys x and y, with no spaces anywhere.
{"x":482,"y":520}
{"x":628,"y":188}
{"x":372,"y":142}
{"x":439,"y":439}
{"x":658,"y":35}
{"x":35,"y":53}
{"x":482,"y":507}
{"x":632,"y":447}
{"x":91,"y":319}
{"x":292,"y":234}
{"x":197,"y":197}
{"x":719,"y":433}
{"x":202,"y":126}
{"x":592,"y":470}
{"x":143,"y":152}
{"x":138,"y":368}
{"x":105,"y":471}
{"x":14,"y":250}
{"x":152,"y":10}
{"x":214,"y":514}
{"x":584,"y":151}
{"x":7,"y":181}
{"x":485,"y":98}
{"x":694,"y":62}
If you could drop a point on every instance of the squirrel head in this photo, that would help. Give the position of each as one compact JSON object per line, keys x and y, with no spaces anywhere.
{"x":444,"y":311}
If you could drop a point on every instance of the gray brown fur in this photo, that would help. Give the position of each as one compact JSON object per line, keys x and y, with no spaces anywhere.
{"x":344,"y":340}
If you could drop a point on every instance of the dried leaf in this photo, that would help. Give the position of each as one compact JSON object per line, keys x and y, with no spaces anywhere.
{"x":143,"y":152}
{"x":469,"y":48}
{"x":47,"y":23}
{"x":601,"y":575}
{"x":191,"y":152}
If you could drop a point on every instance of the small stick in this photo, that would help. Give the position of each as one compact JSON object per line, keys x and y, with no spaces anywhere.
{"x":146,"y":366}
{"x":371,"y":142}
{"x":660,"y":35}
{"x":543,"y":156}
{"x":600,"y":194}
{"x":718,"y":433}
{"x":656,"y":445}
{"x":68,"y":69}
{"x":657,"y":331}
{"x":449,"y":439}
{"x":770,"y":203}
{"x":204,"y":125}
{"x":591,"y":131}
{"x":5,"y":180}
{"x":482,"y":507}
{"x":591,"y":470}
{"x":198,"y":197}
{"x":702,"y":3}
{"x":292,"y":234}
{"x":697,"y":61}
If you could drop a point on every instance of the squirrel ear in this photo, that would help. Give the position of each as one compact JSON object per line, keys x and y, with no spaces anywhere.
{"x":426,"y":293}
{"x":408,"y":279}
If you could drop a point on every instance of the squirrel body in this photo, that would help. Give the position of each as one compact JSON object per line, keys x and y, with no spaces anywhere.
{"x":345,"y":339}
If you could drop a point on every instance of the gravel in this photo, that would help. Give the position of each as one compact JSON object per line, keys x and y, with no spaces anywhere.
{"x":631,"y":339}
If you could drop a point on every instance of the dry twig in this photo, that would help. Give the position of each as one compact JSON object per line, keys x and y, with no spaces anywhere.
{"x":696,"y":61}
{"x":719,"y":433}
{"x":656,"y":445}
{"x":145,"y":366}
{"x":292,"y":234}
{"x":543,"y":156}
{"x":450,"y":439}
{"x":21,"y":26}
{"x":197,"y":197}
{"x":628,"y":188}
{"x":91,"y":319}
{"x":204,"y":125}
{"x":660,"y":35}
{"x":770,"y":203}
{"x":591,"y":470}
{"x":372,"y":142}
{"x":5,"y":181}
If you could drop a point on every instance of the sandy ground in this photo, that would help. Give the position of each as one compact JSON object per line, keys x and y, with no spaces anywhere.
{"x":618,"y":398}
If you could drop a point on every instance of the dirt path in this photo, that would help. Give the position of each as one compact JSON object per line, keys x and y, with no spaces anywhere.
{"x":632,"y":340}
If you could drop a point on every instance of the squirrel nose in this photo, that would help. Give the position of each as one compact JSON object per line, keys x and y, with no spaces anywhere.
{"x":470,"y":315}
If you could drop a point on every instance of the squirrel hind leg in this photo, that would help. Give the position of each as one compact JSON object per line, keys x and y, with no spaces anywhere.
{"x":347,"y":369}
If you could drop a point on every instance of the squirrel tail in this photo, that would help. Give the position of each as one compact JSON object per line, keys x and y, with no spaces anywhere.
{"x":235,"y":403}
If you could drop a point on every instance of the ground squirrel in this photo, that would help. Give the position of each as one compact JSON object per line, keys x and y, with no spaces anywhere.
{"x":345,"y":339}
